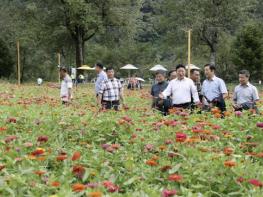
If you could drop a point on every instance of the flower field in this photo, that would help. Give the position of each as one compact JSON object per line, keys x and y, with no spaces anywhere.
{"x":51,"y":150}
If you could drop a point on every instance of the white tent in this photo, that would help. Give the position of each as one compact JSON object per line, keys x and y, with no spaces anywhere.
{"x":158,"y":67}
{"x":129,"y":67}
{"x":192,"y":66}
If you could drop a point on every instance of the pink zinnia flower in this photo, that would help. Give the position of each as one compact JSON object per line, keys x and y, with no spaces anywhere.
{"x":168,"y":193}
{"x":238,"y":113}
{"x":260,"y":124}
{"x":255,"y":182}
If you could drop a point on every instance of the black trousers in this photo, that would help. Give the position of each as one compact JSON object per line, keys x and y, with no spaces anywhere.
{"x":183,"y":105}
{"x":111,"y":105}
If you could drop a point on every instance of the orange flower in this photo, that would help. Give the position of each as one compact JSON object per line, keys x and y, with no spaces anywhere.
{"x":2,"y":167}
{"x":215,"y":110}
{"x":115,"y":146}
{"x":41,"y":158}
{"x":229,"y":164}
{"x":61,"y":157}
{"x":228,"y":151}
{"x":175,"y":177}
{"x":55,"y":184}
{"x":95,"y":194}
{"x":39,"y":172}
{"x":151,"y":162}
{"x":155,"y":158}
{"x":217,"y":115}
{"x":78,"y":170}
{"x":78,"y":187}
{"x":162,"y":147}
{"x":76,"y":156}
{"x":38,"y":151}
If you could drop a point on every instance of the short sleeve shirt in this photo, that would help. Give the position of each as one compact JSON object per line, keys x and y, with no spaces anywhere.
{"x":245,"y":93}
{"x":66,"y":84}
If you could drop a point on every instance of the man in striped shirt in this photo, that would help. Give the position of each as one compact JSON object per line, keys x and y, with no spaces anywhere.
{"x":111,"y":92}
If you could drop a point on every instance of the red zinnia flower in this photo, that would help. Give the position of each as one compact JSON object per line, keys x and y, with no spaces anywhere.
{"x":175,"y":177}
{"x":42,"y":139}
{"x":76,"y":156}
{"x":255,"y":182}
{"x":181,"y":137}
{"x":38,"y":151}
{"x":78,"y":170}
{"x":10,"y":138}
{"x":110,"y":186}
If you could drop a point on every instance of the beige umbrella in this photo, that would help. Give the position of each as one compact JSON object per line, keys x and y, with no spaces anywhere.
{"x":192,"y":66}
{"x":84,"y":67}
{"x":129,"y":67}
{"x":158,"y":67}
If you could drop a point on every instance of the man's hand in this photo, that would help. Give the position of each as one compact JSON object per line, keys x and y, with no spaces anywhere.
{"x":199,"y":104}
{"x":161,"y":96}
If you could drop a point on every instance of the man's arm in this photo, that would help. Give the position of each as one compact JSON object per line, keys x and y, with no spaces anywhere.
{"x":194,"y":93}
{"x":223,"y":89}
{"x":166,"y":92}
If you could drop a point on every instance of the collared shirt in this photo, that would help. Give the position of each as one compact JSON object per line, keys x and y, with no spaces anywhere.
{"x":100,"y":78}
{"x":213,"y":88}
{"x":181,"y":91}
{"x":198,"y":87}
{"x":158,"y":88}
{"x":66,"y":84}
{"x":111,"y":89}
{"x":245,"y":93}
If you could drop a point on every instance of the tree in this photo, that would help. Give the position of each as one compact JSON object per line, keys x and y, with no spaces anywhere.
{"x":208,"y":19}
{"x":248,"y":49}
{"x":85,"y":18}
{"x":6,"y":63}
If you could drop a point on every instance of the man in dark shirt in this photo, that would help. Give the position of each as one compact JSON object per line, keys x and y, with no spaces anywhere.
{"x":160,"y":86}
{"x":195,"y":76}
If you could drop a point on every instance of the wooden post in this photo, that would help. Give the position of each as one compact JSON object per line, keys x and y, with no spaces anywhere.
{"x":189,"y":51}
{"x":59,"y":67}
{"x":18,"y":63}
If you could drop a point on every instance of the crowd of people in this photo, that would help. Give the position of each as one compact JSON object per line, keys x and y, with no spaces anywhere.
{"x":178,"y":91}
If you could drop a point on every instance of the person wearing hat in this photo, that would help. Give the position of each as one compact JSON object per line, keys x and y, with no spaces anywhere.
{"x":66,"y":86}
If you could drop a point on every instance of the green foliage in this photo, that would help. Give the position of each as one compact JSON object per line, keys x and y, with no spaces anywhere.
{"x":117,"y":32}
{"x":6,"y":61}
{"x":248,"y":49}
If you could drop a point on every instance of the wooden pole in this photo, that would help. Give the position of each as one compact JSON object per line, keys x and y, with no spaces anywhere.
{"x":189,"y":51}
{"x":59,"y":67}
{"x":18,"y":63}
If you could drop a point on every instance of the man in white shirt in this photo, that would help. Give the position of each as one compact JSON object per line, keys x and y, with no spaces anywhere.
{"x":245,"y":94}
{"x":214,"y":90}
{"x":181,"y":90}
{"x":66,"y":86}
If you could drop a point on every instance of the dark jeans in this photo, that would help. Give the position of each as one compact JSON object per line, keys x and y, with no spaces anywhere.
{"x":111,"y":105}
{"x":183,"y":105}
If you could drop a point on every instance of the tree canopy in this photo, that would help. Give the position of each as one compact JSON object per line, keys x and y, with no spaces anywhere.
{"x":140,"y":32}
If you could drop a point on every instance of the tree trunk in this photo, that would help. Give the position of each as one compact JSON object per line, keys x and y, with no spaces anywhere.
{"x":79,"y":43}
{"x":213,"y":57}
